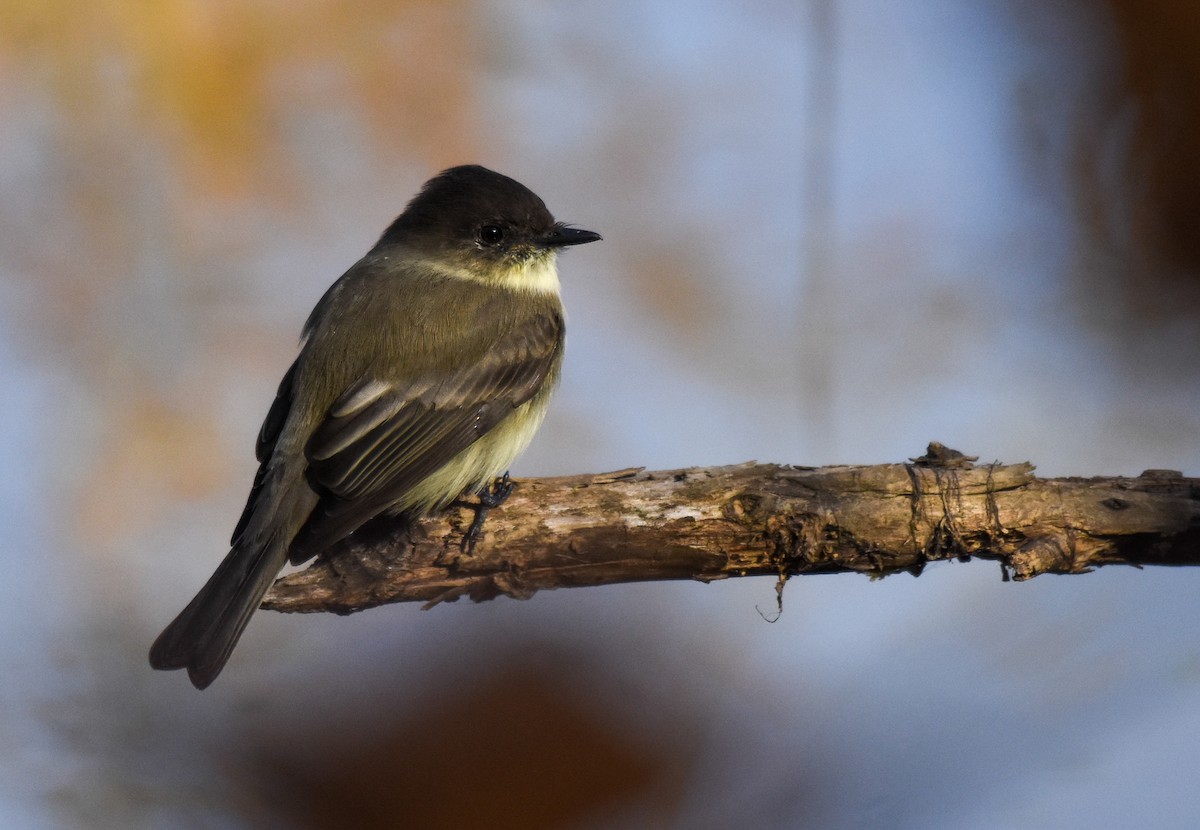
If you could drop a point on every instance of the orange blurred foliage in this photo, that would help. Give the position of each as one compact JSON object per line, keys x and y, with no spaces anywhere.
{"x":211,"y":75}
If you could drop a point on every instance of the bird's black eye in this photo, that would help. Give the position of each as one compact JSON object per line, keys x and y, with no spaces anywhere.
{"x":491,"y":234}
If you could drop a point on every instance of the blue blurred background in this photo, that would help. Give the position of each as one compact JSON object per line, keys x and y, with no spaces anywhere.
{"x":834,"y":231}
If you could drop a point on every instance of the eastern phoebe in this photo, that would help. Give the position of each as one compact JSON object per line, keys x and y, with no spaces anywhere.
{"x":423,"y":372}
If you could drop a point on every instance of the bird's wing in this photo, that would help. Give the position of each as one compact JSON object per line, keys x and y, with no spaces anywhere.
{"x":381,"y":438}
{"x":267,"y":437}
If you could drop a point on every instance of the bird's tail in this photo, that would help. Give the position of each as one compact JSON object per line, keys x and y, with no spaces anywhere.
{"x":202,"y":637}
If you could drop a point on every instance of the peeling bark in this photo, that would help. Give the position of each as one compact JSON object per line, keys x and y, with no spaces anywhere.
{"x":709,"y":523}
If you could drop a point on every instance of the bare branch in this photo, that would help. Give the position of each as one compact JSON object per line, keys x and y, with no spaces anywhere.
{"x":711,"y":523}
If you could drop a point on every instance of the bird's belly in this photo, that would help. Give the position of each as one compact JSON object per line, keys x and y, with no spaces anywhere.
{"x":481,"y":462}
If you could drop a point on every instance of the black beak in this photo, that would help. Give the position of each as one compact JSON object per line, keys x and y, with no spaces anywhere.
{"x":562,"y":236}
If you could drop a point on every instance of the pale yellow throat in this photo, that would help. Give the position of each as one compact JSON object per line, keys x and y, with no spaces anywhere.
{"x":537,"y":274}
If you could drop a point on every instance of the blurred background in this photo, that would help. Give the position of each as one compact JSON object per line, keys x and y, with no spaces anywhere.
{"x":834,"y":231}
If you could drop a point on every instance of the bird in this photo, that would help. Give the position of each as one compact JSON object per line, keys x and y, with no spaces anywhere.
{"x":422,"y":373}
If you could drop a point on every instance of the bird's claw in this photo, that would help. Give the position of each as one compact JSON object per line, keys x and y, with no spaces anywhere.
{"x":490,"y":496}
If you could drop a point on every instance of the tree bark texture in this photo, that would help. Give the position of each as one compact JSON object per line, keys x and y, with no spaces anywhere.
{"x":710,"y":523}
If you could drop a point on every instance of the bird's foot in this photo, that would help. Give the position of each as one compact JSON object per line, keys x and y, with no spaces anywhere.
{"x":490,"y":495}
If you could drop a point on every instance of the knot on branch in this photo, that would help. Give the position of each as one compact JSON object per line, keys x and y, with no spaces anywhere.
{"x":1051,"y":553}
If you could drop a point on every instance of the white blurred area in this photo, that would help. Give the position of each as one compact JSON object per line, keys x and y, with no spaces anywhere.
{"x":962,"y":287}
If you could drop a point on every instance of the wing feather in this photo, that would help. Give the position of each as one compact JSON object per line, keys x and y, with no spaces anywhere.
{"x":268,"y":436}
{"x":379,"y":440}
